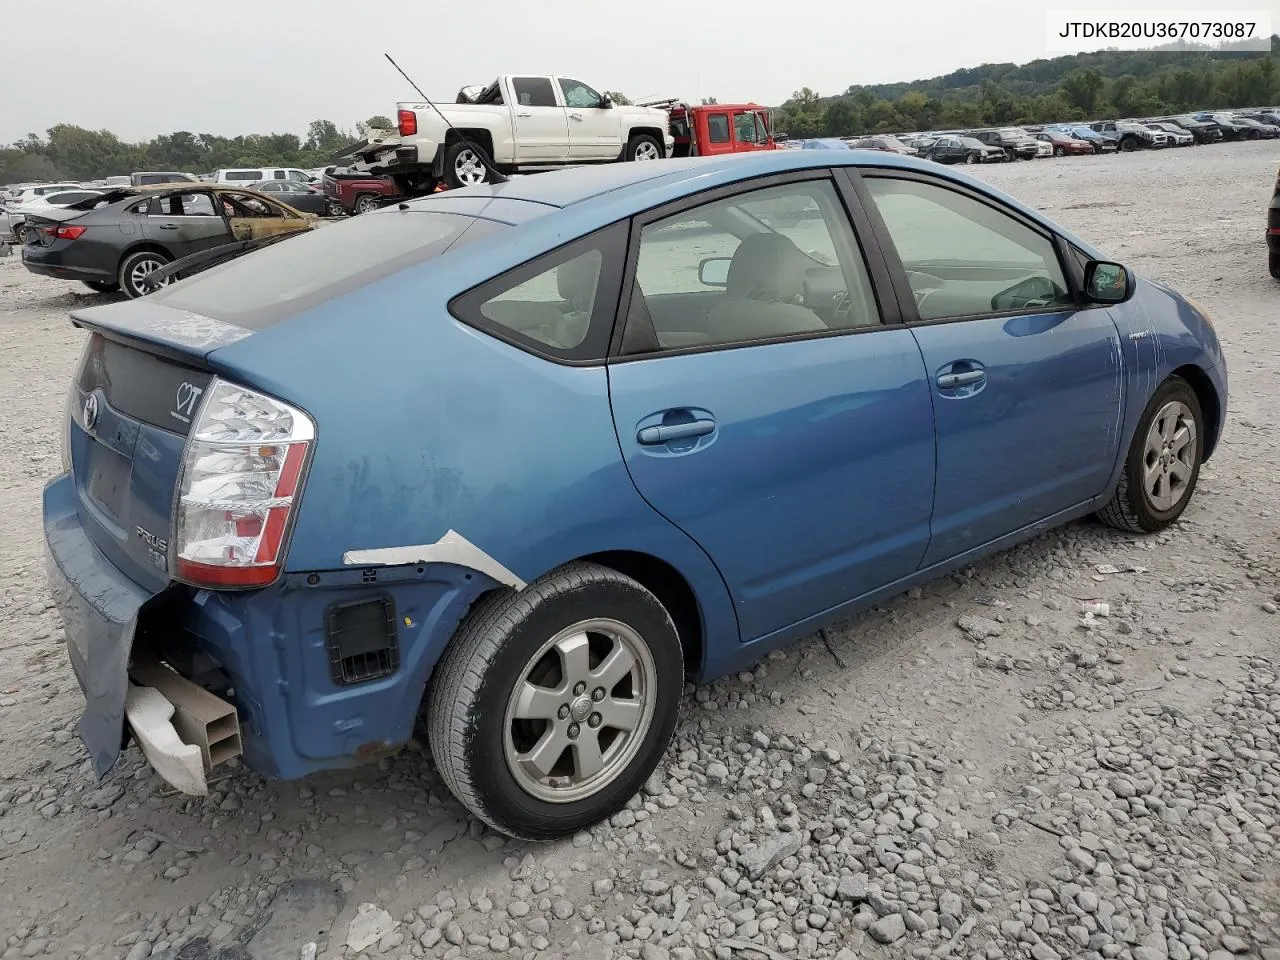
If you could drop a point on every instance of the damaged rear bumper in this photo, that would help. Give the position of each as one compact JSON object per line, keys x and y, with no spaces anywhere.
{"x":324,"y":669}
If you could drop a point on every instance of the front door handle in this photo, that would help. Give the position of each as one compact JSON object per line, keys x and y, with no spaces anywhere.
{"x":949,"y":381}
{"x":168,"y":226}
{"x":575,"y":116}
{"x":524,"y":114}
{"x":651,"y":436}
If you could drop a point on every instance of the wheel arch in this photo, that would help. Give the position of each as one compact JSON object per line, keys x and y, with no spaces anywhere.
{"x":674,"y":592}
{"x":1210,"y":403}
{"x":654,"y":132}
{"x":139,"y":247}
{"x":478,"y":136}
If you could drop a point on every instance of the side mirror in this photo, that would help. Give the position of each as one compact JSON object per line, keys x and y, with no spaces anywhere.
{"x":781,"y":138}
{"x":1106,"y":282}
{"x":606,"y":102}
{"x":714,"y":271}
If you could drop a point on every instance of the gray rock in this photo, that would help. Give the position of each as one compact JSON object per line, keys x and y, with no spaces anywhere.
{"x":979,"y":628}
{"x":1234,"y":944}
{"x":950,"y":904}
{"x":888,"y":929}
{"x":852,"y":888}
{"x":769,"y":852}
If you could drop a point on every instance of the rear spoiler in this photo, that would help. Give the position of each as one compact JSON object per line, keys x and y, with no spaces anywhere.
{"x":177,"y":334}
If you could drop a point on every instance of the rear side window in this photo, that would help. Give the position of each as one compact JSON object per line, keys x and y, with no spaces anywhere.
{"x":243,"y":175}
{"x":297,"y":273}
{"x":718,"y":127}
{"x":560,"y":305}
{"x":534,"y":92}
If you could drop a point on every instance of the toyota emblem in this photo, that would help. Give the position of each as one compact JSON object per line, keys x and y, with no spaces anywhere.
{"x":90,"y":411}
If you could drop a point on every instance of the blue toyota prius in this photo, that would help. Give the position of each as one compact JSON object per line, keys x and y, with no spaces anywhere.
{"x":523,"y":457}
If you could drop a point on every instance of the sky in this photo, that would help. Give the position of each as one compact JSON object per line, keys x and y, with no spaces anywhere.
{"x":145,"y":67}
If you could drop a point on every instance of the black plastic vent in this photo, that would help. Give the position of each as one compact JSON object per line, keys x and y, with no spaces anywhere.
{"x":362,"y":640}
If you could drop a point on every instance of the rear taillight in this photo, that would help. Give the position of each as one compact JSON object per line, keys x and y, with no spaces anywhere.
{"x":242,"y":471}
{"x":67,"y":233}
{"x":407,"y":121}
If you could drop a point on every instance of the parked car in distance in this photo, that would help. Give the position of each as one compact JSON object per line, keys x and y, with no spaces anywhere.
{"x":1256,"y":129}
{"x":357,"y":193}
{"x":1273,"y":230}
{"x":112,"y":241}
{"x":1266,"y":117}
{"x":884,"y":143}
{"x":826,"y":143}
{"x":1016,"y":144}
{"x":1205,"y":131}
{"x":15,"y":215}
{"x":1231,"y":127}
{"x":302,"y":196}
{"x":1063,"y":144}
{"x":1185,"y":136}
{"x":149,"y":178}
{"x":1177,"y":137}
{"x":1100,"y":142}
{"x":24,"y":195}
{"x":251,"y":176}
{"x":1132,"y":135}
{"x":541,"y":592}
{"x":951,"y":149}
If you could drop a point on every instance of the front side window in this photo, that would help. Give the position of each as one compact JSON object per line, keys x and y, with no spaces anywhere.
{"x":578,"y":94}
{"x":776,"y":262}
{"x":762,"y":129}
{"x":718,"y":127}
{"x":534,"y":92}
{"x":964,"y":257}
{"x":744,"y":127}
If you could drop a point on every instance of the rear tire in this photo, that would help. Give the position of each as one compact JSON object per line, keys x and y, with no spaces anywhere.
{"x":102,"y":286}
{"x":136,"y":266}
{"x":644,"y":147}
{"x":365,"y":203}
{"x":465,"y":166}
{"x":1163,"y":462}
{"x":1273,"y":264}
{"x":508,"y":749}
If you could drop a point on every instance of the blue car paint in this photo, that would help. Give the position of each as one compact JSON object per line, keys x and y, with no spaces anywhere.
{"x":385,"y":473}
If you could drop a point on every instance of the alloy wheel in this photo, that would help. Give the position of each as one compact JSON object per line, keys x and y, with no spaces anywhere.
{"x":580,"y":711}
{"x":1169,"y":456}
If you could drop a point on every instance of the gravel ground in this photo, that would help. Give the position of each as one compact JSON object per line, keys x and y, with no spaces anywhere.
{"x":974,"y":770}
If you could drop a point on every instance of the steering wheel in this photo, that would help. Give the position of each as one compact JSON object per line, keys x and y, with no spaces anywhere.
{"x":923,"y":285}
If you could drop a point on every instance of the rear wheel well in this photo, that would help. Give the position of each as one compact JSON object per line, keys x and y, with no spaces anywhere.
{"x":667,"y":584}
{"x":138,"y":248}
{"x":478,"y":138}
{"x":1210,"y":403}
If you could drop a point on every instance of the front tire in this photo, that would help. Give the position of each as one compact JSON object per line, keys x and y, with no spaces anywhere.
{"x":553,"y":705}
{"x":136,"y":267}
{"x":1059,"y":151}
{"x":1273,"y":264}
{"x":1163,"y":462}
{"x":644,"y":147}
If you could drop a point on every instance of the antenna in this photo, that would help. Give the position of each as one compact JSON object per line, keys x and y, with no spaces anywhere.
{"x":494,"y":173}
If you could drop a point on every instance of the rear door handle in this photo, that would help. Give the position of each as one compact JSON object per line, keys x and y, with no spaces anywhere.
{"x":168,"y":226}
{"x":949,"y":381}
{"x":651,"y":436}
{"x":524,"y":114}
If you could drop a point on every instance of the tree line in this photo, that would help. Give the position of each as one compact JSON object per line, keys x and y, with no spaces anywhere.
{"x":68,"y":152}
{"x":1081,"y":87}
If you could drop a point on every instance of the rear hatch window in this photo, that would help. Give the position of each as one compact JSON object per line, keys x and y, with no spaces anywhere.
{"x":266,"y":286}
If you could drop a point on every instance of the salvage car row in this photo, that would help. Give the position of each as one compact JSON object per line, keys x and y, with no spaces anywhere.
{"x":1060,"y":140}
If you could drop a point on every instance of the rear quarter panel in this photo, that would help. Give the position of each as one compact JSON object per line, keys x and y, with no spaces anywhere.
{"x":426,"y":425}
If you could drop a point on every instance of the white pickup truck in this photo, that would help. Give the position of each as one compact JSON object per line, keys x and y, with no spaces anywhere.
{"x":522,"y":123}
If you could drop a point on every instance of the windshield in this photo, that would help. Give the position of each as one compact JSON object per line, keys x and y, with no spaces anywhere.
{"x":263,"y":287}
